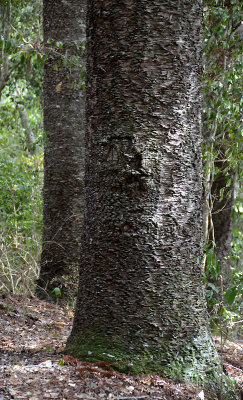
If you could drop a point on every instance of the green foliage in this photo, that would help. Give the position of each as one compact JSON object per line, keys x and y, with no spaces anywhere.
{"x":222,"y":153}
{"x":68,"y":56}
{"x":56,"y":294}
{"x":20,"y":209}
{"x":56,"y":291}
{"x":22,"y":44}
{"x":21,"y":173}
{"x":211,"y":274}
{"x":225,"y":305}
{"x":223,"y":79}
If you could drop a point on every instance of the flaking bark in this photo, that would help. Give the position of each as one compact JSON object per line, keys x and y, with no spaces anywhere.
{"x":140,"y":298}
{"x":64,"y":110}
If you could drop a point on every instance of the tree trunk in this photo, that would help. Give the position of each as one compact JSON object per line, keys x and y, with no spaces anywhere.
{"x":64,"y":105}
{"x":5,"y":23}
{"x":30,"y":137}
{"x":222,"y":193}
{"x":141,"y":302}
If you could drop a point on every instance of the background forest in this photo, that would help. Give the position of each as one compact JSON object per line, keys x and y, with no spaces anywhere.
{"x":22,"y":139}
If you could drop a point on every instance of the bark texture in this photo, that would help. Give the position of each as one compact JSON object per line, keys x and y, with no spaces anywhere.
{"x":64,"y":110}
{"x":141,"y":303}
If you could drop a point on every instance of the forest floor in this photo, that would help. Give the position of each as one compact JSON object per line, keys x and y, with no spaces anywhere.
{"x":33,"y":364}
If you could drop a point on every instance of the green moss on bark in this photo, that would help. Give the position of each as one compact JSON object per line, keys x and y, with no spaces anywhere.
{"x":197,"y":361}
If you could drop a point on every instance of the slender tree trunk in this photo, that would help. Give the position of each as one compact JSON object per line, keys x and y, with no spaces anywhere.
{"x":141,"y":302}
{"x":5,"y":22}
{"x":30,"y":137}
{"x":222,"y":193}
{"x":218,"y":222}
{"x":64,"y":105}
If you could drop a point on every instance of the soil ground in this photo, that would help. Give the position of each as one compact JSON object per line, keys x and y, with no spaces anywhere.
{"x":33,"y":365}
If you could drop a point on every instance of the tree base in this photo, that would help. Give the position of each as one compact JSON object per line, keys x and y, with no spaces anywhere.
{"x":196,"y":361}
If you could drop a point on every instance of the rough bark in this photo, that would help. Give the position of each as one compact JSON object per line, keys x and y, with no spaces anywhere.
{"x":141,"y":303}
{"x":64,"y":107}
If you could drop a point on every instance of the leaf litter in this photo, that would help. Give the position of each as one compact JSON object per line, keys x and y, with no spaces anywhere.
{"x":33,"y":365}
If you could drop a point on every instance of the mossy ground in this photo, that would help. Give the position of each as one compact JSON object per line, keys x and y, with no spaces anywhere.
{"x":187,"y":365}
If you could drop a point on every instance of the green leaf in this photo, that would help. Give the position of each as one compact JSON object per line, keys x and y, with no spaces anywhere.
{"x":231,"y":294}
{"x":215,"y":288}
{"x":59,"y":45}
{"x":57,"y":291}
